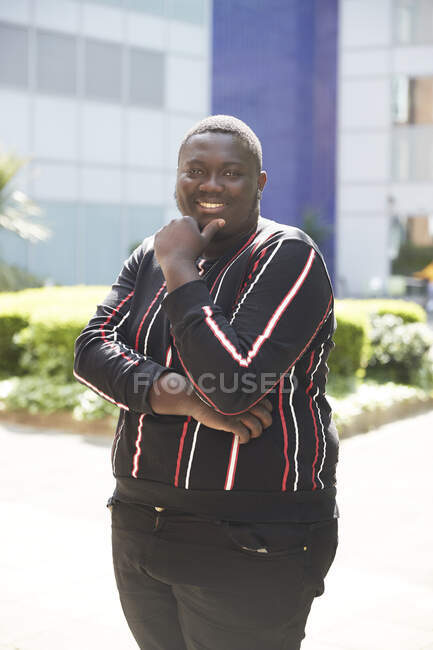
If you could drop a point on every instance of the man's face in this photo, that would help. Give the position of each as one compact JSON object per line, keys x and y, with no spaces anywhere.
{"x":217,"y":177}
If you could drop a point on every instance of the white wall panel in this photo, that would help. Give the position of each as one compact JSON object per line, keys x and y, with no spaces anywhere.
{"x":187,"y":38}
{"x":60,"y":15}
{"x":171,"y":210}
{"x":100,"y":185}
{"x":365,"y":104}
{"x":55,"y":124}
{"x":143,"y":30}
{"x":365,"y":22}
{"x":55,"y":182}
{"x":101,"y":133}
{"x":187,"y":85}
{"x":361,"y":250}
{"x":15,"y":11}
{"x":413,"y":198}
{"x":177,"y":127}
{"x":364,"y":157}
{"x":413,"y":60}
{"x":365,"y":63}
{"x":363,"y":198}
{"x":14,"y":116}
{"x":144,"y":187}
{"x":103,"y":22}
{"x":145,"y":138}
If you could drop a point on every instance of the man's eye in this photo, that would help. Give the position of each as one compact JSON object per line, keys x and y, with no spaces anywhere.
{"x":230,"y":172}
{"x":194,"y":172}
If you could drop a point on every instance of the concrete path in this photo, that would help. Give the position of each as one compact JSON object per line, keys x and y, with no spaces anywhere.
{"x":57,"y":591}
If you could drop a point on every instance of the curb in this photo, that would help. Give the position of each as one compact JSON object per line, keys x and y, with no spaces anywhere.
{"x":368,"y":420}
{"x":358,"y":424}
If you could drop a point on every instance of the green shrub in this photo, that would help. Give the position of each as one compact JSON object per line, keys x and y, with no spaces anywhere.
{"x":13,"y":278}
{"x":409,"y":312}
{"x":412,"y":258}
{"x":351,"y":352}
{"x":401,"y":352}
{"x":35,"y":396}
{"x":10,"y":350}
{"x":40,"y":337}
{"x":48,"y":349}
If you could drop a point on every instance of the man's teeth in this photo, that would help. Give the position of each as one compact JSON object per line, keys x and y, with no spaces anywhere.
{"x":211,"y":205}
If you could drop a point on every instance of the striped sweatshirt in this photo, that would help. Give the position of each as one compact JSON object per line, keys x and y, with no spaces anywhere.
{"x":259,"y":321}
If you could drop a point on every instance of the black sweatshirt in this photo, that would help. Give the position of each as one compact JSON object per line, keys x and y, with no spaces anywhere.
{"x":259,"y":321}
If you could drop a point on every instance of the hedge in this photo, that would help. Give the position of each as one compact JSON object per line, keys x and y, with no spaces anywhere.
{"x":38,"y":328}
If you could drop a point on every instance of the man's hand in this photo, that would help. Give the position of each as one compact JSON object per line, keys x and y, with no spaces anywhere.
{"x":172,"y":394}
{"x":246,"y":426}
{"x":181,"y":240}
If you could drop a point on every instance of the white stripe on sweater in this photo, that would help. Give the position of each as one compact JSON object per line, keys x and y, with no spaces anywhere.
{"x":228,"y":345}
{"x":295,"y":424}
{"x":232,"y":463}
{"x":191,"y":456}
{"x":257,"y":278}
{"x":151,"y":323}
{"x":228,"y":268}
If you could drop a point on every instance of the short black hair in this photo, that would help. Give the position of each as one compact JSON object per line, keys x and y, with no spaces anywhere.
{"x":227,"y":124}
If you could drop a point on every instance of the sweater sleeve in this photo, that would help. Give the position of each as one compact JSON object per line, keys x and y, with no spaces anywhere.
{"x":234,"y":361}
{"x":105,"y":360}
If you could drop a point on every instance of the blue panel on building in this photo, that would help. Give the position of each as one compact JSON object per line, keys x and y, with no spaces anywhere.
{"x":275,"y":66}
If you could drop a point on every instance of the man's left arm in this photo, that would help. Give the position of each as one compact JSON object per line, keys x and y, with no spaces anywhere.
{"x":233,"y":362}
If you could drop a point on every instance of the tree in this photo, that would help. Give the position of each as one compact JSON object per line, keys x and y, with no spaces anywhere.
{"x":16,"y":209}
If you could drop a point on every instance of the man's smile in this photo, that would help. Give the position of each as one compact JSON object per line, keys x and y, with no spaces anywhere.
{"x":210,"y":206}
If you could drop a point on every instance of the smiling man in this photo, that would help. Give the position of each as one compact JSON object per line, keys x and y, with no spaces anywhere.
{"x":213,"y":342}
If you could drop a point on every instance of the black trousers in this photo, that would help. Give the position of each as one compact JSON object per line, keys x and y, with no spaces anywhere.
{"x":187,"y":583}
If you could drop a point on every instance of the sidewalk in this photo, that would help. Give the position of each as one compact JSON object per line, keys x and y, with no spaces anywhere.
{"x":58,"y":592}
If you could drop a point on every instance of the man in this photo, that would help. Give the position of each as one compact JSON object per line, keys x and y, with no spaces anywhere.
{"x":213,"y":342}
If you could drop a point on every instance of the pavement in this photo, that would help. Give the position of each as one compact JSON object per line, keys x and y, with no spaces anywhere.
{"x":57,"y":588}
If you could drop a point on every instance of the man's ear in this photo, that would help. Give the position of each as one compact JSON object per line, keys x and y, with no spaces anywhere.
{"x":263,"y":177}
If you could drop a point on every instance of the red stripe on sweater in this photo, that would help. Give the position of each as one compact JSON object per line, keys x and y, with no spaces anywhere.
{"x":147,"y":311}
{"x":286,"y":442}
{"x":116,"y":346}
{"x":180,"y":451}
{"x":207,"y":398}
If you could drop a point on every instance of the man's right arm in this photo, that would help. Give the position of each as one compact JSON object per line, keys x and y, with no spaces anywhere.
{"x":172,"y":394}
{"x":104,"y":359}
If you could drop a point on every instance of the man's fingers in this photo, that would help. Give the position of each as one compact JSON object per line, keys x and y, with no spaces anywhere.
{"x":263,"y":414}
{"x":241,"y":431}
{"x":210,"y":230}
{"x":266,"y":403}
{"x":253,"y":423}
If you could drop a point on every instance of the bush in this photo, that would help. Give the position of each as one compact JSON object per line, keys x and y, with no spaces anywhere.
{"x":10,"y":350}
{"x":411,"y":258}
{"x":351,"y":352}
{"x":31,"y":395}
{"x":12,"y":278}
{"x":38,"y":328}
{"x":48,"y":349}
{"x":402,"y":352}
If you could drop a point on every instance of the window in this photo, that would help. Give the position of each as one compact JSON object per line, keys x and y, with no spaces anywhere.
{"x":103,"y":70}
{"x":147,"y":74}
{"x":56,"y":63}
{"x":192,"y":11}
{"x":412,"y":99}
{"x":412,"y":153}
{"x":13,"y":55}
{"x":413,"y":22}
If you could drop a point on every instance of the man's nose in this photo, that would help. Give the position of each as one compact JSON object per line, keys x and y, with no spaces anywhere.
{"x":211,"y":183}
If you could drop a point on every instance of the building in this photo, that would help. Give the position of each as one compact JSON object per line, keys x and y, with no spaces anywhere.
{"x":340,"y":92}
{"x":99,"y":93}
{"x":385,"y":136}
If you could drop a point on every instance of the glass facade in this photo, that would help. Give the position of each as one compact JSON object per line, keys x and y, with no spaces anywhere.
{"x":95,"y":94}
{"x":413,"y":22}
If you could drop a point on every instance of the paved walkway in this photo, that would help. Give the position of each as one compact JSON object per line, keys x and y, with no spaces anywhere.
{"x":57,"y":591}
